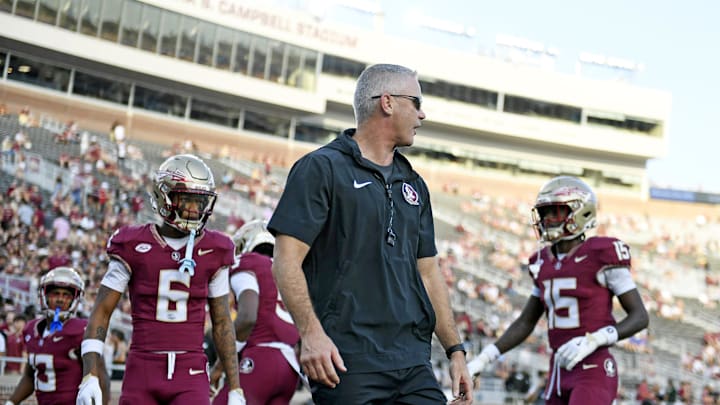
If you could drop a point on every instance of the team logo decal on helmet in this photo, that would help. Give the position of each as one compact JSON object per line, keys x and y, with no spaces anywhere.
{"x":410,"y":195}
{"x":183,"y":176}
{"x":568,"y":195}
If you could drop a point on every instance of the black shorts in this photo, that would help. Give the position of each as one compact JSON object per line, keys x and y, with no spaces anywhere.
{"x":414,"y":385}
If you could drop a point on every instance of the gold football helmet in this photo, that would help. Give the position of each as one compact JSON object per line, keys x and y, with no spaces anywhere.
{"x":254,"y":237}
{"x":61,"y":277}
{"x":552,"y":221}
{"x":183,"y":177}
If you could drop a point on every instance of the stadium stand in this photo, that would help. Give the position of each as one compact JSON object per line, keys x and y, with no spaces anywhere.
{"x":482,"y":237}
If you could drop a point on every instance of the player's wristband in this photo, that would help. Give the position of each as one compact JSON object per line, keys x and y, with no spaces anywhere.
{"x":92,"y":346}
{"x":455,"y":348}
{"x":606,"y":336}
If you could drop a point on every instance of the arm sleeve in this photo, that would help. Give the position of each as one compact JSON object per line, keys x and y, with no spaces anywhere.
{"x":117,"y":276}
{"x":617,"y":279}
{"x":219,"y":285}
{"x":304,"y":205}
{"x":242,"y":281}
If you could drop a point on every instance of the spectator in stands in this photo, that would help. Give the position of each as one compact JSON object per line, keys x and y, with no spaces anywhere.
{"x":61,"y":228}
{"x":644,"y":395}
{"x":685,"y":393}
{"x":8,"y":154}
{"x":3,"y":345}
{"x":535,"y":393}
{"x":25,"y":212}
{"x":117,"y":132}
{"x":574,"y":282}
{"x":171,"y":276}
{"x":709,"y":396}
{"x":119,"y":355}
{"x":15,"y":344}
{"x":265,"y":333}
{"x":24,"y":117}
{"x":670,"y":394}
{"x":517,"y":380}
{"x":377,"y":323}
{"x":53,"y":369}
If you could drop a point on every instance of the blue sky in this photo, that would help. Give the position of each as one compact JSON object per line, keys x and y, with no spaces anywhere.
{"x":676,"y":41}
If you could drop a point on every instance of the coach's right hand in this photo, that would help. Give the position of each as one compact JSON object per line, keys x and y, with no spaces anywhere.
{"x":89,"y":391}
{"x":320,"y":357}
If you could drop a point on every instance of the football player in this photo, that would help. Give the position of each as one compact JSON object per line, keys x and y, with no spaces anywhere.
{"x":172,"y":271}
{"x":265,"y":331}
{"x":54,"y":368}
{"x":575,"y":279}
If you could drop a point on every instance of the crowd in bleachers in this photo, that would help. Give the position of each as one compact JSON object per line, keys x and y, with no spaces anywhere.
{"x":482,"y":259}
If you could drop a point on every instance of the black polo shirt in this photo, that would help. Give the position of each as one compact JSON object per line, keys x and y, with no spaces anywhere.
{"x":365,"y":236}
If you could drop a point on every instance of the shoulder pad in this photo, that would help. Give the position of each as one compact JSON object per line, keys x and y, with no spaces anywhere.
{"x":610,"y":251}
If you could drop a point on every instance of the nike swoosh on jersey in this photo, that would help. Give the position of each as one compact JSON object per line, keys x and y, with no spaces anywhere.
{"x":192,"y":371}
{"x":578,"y":259}
{"x":57,"y":338}
{"x":589,"y":366}
{"x":204,"y":252}
{"x":361,"y":185}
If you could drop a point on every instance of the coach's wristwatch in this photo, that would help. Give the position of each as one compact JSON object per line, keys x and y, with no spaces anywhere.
{"x":460,"y":347}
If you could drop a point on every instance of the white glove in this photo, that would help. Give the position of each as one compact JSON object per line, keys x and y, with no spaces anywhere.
{"x":89,"y":391}
{"x":577,"y":348}
{"x":236,"y":397}
{"x":8,"y":402}
{"x":489,"y":354}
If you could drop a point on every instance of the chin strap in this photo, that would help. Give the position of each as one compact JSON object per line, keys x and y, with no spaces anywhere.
{"x":188,"y":264}
{"x":56,"y":325}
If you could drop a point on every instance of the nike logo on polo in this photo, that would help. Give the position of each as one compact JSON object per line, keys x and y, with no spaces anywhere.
{"x":192,"y":371}
{"x":204,"y":252}
{"x":361,"y":185}
{"x":57,"y":338}
{"x":589,"y":366}
{"x":578,"y":259}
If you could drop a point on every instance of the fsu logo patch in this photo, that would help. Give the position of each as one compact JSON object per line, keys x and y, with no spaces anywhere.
{"x":610,"y":369}
{"x":410,"y":195}
{"x":247,"y":365}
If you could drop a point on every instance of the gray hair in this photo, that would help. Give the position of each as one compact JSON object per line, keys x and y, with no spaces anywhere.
{"x":373,"y":81}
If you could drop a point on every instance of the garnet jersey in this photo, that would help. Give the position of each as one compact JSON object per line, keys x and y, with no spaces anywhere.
{"x":274,"y":323}
{"x":168,"y":306}
{"x":55,"y":360}
{"x":575,"y":302}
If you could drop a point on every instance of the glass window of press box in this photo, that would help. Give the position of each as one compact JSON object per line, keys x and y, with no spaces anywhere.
{"x":152,"y":29}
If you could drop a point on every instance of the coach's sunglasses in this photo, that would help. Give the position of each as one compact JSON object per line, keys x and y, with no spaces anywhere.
{"x":417,"y":101}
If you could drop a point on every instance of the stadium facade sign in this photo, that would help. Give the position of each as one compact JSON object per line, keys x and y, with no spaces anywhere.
{"x":245,"y":14}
